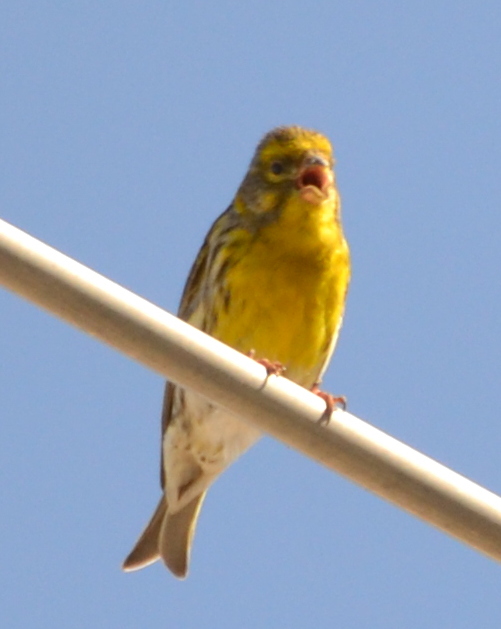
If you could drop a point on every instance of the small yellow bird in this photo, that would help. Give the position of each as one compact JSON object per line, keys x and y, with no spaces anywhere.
{"x":270,"y":280}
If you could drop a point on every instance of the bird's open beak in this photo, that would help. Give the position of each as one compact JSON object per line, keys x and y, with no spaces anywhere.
{"x":314,"y":181}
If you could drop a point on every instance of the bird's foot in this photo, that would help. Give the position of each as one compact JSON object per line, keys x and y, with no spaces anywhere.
{"x":273,"y":368}
{"x":331,"y":403}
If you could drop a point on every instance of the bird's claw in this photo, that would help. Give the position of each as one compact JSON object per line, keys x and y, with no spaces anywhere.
{"x":273,"y":368}
{"x":331,"y":403}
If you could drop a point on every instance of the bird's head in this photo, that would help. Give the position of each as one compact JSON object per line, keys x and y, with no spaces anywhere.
{"x":290,"y":164}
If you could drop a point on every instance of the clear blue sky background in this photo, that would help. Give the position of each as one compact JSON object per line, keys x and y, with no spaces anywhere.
{"x":125,"y":129}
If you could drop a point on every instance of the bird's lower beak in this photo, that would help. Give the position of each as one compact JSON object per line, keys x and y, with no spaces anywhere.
{"x":314,"y":183}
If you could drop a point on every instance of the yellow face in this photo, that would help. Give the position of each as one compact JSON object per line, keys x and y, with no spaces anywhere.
{"x":289,"y":163}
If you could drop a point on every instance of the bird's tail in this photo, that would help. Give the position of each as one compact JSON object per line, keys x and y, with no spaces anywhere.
{"x":167,"y":536}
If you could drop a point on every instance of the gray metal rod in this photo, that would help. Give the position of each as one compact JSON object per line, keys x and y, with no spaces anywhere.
{"x":189,"y":357}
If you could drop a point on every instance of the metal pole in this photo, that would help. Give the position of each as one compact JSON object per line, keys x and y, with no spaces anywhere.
{"x":174,"y":349}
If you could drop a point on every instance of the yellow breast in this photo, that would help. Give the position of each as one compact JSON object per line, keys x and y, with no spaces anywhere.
{"x":286,"y":294}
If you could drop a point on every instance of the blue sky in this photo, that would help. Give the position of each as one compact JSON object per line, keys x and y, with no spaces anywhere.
{"x":126,"y":128}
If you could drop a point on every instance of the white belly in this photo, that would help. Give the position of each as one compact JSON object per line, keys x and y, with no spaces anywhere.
{"x":200,"y":442}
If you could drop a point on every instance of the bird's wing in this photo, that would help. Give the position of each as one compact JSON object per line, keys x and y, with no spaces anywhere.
{"x":196,"y":302}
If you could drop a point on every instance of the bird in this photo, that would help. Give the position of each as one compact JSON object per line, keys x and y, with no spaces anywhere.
{"x":270,"y":280}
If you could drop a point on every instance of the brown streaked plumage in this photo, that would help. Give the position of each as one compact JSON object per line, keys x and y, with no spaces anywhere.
{"x":270,"y":280}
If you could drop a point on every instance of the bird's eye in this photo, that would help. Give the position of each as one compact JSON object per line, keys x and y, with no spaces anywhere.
{"x":277,"y":168}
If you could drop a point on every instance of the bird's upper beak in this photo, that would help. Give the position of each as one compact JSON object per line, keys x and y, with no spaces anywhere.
{"x":314,"y":180}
